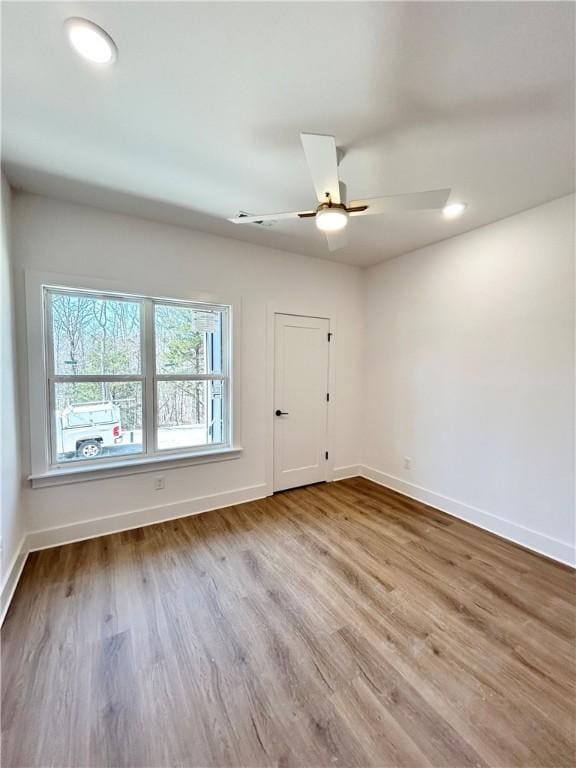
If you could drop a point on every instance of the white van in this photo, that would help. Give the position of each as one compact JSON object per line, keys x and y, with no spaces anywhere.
{"x":83,"y":430}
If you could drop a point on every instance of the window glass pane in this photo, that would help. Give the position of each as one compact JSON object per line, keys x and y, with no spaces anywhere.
{"x":94,"y":336}
{"x":190,"y":413}
{"x":187,"y":340}
{"x":97,"y":420}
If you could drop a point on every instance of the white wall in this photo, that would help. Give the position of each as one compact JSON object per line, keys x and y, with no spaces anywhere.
{"x":12,"y":514}
{"x":469,"y":371}
{"x":79,"y":240}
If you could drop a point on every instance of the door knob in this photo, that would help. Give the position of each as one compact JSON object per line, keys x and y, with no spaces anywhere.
{"x":281,"y":413}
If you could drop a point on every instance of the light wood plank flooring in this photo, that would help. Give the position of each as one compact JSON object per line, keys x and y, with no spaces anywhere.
{"x":335,"y":625}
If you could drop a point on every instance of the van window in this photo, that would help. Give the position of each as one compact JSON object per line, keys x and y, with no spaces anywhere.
{"x":87,"y":418}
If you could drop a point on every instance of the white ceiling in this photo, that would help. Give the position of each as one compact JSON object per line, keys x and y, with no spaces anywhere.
{"x":200,"y":116}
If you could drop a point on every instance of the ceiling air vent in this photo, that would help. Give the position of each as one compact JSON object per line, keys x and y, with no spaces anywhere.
{"x":262,"y":223}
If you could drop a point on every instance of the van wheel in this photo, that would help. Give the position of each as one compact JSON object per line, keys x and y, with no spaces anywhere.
{"x":89,"y":450}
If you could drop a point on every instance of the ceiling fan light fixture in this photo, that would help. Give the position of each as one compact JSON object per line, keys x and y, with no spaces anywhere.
{"x":331,"y":219}
{"x":453,"y":210}
{"x":90,"y":41}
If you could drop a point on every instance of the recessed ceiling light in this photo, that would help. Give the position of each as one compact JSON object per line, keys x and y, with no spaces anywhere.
{"x":453,"y":210}
{"x":331,"y":219}
{"x":90,"y":41}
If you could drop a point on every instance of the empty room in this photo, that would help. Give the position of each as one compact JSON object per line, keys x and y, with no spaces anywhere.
{"x":287,"y":331}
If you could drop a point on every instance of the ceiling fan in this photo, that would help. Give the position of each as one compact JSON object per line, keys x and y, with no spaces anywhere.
{"x":333,"y":211}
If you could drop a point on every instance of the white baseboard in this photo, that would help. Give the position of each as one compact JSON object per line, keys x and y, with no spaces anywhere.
{"x":562,"y":551}
{"x":12,"y":578}
{"x":125,"y":521}
{"x":341,"y":473}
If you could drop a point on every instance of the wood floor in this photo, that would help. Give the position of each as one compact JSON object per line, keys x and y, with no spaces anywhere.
{"x":335,"y":625}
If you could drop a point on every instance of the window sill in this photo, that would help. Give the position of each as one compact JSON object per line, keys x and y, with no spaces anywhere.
{"x":135,"y":467}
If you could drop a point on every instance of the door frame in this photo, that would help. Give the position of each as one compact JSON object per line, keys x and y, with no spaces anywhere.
{"x":298,"y":310}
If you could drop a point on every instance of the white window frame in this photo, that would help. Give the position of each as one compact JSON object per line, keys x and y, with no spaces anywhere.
{"x":44,"y":471}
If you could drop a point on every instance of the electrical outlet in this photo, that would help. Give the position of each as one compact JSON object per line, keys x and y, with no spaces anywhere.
{"x":407,"y":462}
{"x":159,"y":483}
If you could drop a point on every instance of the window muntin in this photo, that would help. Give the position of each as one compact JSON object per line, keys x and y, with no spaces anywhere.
{"x":134,"y":376}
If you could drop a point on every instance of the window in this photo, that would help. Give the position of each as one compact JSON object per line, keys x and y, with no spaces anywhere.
{"x":132,"y":378}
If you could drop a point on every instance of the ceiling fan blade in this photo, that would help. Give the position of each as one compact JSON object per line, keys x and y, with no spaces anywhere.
{"x":336,"y":240}
{"x":322,"y":161}
{"x":413,"y":201}
{"x":253,"y":219}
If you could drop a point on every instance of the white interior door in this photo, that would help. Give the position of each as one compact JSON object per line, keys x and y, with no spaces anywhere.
{"x":300,"y":400}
